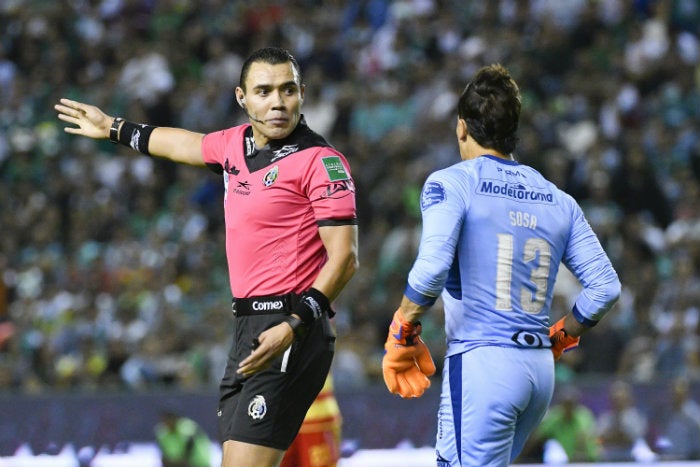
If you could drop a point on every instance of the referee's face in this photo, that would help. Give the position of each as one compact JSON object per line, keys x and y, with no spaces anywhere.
{"x":272,"y":101}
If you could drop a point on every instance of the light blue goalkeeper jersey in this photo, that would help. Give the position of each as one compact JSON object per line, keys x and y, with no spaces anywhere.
{"x":494,"y":235}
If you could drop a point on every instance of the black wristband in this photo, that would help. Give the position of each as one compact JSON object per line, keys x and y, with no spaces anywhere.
{"x":296,"y":324}
{"x":114,"y":130}
{"x":136,"y":136}
{"x":312,"y":305}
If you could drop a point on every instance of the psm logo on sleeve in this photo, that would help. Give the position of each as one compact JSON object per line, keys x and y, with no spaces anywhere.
{"x":433,"y":193}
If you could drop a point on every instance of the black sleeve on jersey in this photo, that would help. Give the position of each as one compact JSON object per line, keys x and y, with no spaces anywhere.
{"x":215,"y":167}
{"x":336,"y":222}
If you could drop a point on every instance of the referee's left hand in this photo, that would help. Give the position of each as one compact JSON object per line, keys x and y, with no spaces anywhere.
{"x":272,"y":342}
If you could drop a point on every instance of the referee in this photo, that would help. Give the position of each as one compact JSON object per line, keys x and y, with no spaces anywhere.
{"x":291,"y":244}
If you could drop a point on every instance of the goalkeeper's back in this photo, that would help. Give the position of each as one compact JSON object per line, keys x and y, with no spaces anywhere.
{"x":509,"y":230}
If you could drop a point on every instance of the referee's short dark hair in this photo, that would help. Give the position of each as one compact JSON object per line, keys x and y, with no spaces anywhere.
{"x":271,"y":55}
{"x":490,"y":104}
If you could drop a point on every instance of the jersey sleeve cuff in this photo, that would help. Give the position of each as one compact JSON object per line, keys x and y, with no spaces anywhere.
{"x":418,"y":298}
{"x":582,"y":319}
{"x":336,"y":222}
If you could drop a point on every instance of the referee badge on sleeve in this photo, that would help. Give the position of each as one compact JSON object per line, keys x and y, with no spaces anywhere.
{"x":335,"y":168}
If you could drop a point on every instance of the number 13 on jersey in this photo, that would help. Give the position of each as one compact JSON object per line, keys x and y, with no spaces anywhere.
{"x":536,"y":254}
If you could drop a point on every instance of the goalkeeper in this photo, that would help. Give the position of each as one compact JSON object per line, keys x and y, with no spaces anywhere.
{"x":494,"y":234}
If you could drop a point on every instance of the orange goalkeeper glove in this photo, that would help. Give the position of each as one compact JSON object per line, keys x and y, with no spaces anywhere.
{"x":407,"y":362}
{"x":561,"y":341}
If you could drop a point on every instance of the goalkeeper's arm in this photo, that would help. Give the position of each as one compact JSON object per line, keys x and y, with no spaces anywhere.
{"x":573,"y":327}
{"x":411,"y":311}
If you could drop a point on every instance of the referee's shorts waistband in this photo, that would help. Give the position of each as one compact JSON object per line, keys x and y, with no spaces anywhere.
{"x":264,"y":305}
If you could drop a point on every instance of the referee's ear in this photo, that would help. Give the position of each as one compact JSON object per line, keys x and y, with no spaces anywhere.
{"x":239,"y":95}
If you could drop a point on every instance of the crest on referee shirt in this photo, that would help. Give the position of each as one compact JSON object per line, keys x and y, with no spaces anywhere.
{"x":257,"y":407}
{"x":271,"y":176}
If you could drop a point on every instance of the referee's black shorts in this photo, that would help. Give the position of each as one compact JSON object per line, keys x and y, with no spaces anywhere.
{"x":268,"y":408}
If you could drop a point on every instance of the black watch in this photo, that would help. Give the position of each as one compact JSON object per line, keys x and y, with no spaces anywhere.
{"x":296,"y":324}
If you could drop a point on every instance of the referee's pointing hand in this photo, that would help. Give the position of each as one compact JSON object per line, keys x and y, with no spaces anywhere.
{"x":89,"y":120}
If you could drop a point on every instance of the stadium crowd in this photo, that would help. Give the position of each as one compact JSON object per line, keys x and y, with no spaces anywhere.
{"x":112,"y":270}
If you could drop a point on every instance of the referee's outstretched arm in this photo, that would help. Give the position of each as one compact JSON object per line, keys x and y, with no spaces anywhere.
{"x":176,"y":144}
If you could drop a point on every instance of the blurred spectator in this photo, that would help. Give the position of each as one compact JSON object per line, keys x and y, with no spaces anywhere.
{"x":635,"y":187}
{"x":602,"y":211}
{"x":680,"y":435}
{"x":571,"y":424}
{"x":621,"y":425}
{"x":182,"y":442}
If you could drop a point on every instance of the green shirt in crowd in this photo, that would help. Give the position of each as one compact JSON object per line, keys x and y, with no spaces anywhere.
{"x":183,"y":443}
{"x":575,"y":431}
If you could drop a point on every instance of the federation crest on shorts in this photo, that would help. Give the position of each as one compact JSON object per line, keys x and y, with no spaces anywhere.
{"x":257,"y":407}
{"x":271,"y":176}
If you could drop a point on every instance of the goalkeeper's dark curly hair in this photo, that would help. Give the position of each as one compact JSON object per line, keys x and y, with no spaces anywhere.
{"x":490,"y":104}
